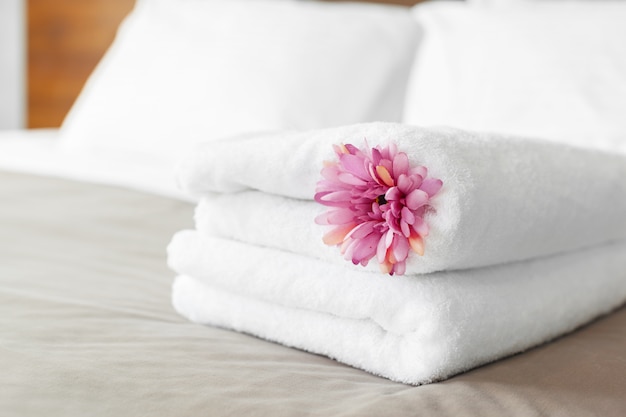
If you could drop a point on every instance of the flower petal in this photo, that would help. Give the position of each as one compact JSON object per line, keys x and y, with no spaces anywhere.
{"x":330,"y":171}
{"x":391,"y":257}
{"x":431,"y":186}
{"x":405,"y":228}
{"x":371,"y":168}
{"x":396,"y":208}
{"x":416,"y":179}
{"x":389,"y":151}
{"x":323,"y":218}
{"x":349,"y":178}
{"x":381,"y":249}
{"x":336,"y":217}
{"x":399,"y":268}
{"x":326,"y":186}
{"x":354,"y":165}
{"x":376,"y":156}
{"x":347,"y":247}
{"x":400,"y":164}
{"x":400,"y":248}
{"x":417,"y":244}
{"x":318,"y":196}
{"x":405,"y":184}
{"x":336,"y":235}
{"x":376,"y":212}
{"x":362,"y":230}
{"x":420,"y":227}
{"x":336,"y":196}
{"x":340,"y":149}
{"x":394,"y":224}
{"x":388,"y":238}
{"x":420,"y":170}
{"x":386,"y":267}
{"x":407,"y":215}
{"x":386,"y":162}
{"x":416,"y":199}
{"x":393,"y":194}
{"x":384,"y":175}
{"x":352,"y":149}
{"x":365,"y":249}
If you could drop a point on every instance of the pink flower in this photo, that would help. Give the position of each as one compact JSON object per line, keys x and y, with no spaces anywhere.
{"x":377,"y":204}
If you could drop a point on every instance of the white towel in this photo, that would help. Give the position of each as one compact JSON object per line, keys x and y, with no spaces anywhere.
{"x":503,"y":199}
{"x":412,"y":329}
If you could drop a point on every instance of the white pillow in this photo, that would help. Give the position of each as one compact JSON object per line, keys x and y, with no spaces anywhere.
{"x":507,"y":3}
{"x":553,"y":70}
{"x":496,"y":3}
{"x":181,"y":71}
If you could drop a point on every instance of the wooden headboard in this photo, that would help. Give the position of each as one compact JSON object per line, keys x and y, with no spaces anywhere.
{"x":66,"y":39}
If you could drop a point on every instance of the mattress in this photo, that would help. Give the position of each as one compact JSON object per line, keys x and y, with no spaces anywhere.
{"x":87,"y":328}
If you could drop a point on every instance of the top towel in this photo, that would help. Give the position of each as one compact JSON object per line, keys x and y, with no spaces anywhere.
{"x":503,"y":198}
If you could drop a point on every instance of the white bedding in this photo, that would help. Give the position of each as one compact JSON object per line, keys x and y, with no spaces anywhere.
{"x":39,"y":151}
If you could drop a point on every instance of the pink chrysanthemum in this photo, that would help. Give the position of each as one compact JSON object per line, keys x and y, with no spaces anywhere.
{"x":377,"y":205}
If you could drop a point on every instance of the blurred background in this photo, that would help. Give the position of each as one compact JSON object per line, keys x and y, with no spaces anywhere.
{"x":47,"y":50}
{"x":12,"y":64}
{"x":62,"y":40}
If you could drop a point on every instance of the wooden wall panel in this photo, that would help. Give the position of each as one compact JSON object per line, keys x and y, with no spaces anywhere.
{"x":66,"y":39}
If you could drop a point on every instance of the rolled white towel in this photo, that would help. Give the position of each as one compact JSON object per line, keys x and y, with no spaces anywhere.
{"x":414,"y":329}
{"x":503,"y":199}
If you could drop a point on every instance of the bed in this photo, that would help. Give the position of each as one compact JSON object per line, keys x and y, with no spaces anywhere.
{"x":87,"y":325}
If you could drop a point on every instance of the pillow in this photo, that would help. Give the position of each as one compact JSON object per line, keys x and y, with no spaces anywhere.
{"x":497,"y":3}
{"x":506,"y":3}
{"x":181,"y":71}
{"x":553,"y":70}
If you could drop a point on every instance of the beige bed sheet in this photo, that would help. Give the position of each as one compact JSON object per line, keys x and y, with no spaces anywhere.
{"x":86,"y":329}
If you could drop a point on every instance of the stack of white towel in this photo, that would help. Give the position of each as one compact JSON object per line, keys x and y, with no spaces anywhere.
{"x":527,"y":241}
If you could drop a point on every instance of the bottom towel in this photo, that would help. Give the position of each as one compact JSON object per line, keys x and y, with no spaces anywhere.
{"x":411,"y":329}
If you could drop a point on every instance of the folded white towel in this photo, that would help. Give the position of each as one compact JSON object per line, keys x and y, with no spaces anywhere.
{"x":414,"y":329}
{"x":503,"y":199}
